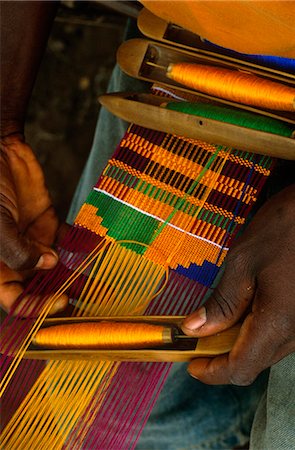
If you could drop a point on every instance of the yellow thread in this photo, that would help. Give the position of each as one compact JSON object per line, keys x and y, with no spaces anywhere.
{"x":115,"y":279}
{"x":234,"y":85}
{"x":77,"y":383}
{"x":216,"y":169}
{"x":51,"y":300}
{"x":74,"y":382}
{"x":54,"y":433}
{"x":102,"y":335}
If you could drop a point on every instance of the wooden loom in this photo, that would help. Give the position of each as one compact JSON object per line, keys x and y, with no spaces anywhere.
{"x":89,"y":276}
{"x":185,"y":350}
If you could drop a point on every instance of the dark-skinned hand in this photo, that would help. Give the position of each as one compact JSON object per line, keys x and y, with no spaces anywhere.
{"x":257,"y":288}
{"x":28,"y":222}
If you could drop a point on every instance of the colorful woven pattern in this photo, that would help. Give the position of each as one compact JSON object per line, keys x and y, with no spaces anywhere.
{"x":162,"y":202}
{"x":181,"y":200}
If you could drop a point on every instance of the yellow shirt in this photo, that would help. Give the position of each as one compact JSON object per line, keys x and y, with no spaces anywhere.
{"x":257,"y":27}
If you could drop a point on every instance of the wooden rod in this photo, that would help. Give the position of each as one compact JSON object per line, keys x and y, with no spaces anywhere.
{"x":149,"y":63}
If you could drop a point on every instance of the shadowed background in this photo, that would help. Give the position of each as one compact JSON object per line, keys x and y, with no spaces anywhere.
{"x":74,"y":72}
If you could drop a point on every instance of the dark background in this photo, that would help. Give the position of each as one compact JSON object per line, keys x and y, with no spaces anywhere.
{"x":64,"y":107}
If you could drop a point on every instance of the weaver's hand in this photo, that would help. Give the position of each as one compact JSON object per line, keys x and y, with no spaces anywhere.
{"x":28,"y":221}
{"x":257,"y":288}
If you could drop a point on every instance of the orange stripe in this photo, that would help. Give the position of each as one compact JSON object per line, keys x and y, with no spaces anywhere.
{"x":159,"y":209}
{"x":191,"y":251}
{"x":143,"y":144}
{"x":113,"y":187}
{"x":87,"y":218}
{"x":192,"y":170}
{"x":164,"y":186}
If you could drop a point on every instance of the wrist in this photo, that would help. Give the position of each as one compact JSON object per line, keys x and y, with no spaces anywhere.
{"x":11,"y":134}
{"x":10,"y":129}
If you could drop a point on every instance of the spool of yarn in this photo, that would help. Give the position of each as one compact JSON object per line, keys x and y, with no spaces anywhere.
{"x":235,"y":117}
{"x":104,"y":335}
{"x":234,"y":85}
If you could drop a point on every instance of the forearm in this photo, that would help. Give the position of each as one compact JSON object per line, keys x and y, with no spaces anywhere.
{"x":25,"y":29}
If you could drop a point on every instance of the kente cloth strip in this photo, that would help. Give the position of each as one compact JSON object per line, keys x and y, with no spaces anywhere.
{"x":163,"y":202}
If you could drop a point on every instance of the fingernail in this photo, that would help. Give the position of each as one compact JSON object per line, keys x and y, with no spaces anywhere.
{"x":193,"y":375}
{"x":46,"y":261}
{"x":196,"y":320}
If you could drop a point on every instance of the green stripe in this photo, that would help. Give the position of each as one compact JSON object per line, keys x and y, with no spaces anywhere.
{"x":181,"y":201}
{"x":122,"y":221}
{"x":235,"y":117}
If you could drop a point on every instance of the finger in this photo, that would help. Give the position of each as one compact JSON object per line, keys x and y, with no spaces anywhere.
{"x":43,"y":228}
{"x":210,"y":370}
{"x":18,"y":252}
{"x":230,"y":368}
{"x":8,"y":275}
{"x":11,"y":287}
{"x":29,"y":304}
{"x":267,"y":335}
{"x":242,"y":365}
{"x":9,"y":292}
{"x":257,"y":348}
{"x":59,"y":305}
{"x":228,"y":302}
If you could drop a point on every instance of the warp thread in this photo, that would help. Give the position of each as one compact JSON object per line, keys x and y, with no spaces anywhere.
{"x":90,"y":405}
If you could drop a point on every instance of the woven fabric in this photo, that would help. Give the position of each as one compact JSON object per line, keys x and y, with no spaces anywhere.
{"x":181,"y":202}
{"x":148,"y":182}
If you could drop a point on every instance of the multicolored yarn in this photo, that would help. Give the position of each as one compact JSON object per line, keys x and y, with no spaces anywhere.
{"x":180,"y":202}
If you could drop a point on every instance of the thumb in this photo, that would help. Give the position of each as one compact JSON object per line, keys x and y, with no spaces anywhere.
{"x":228,"y":302}
{"x":20,"y":253}
{"x":48,"y":258}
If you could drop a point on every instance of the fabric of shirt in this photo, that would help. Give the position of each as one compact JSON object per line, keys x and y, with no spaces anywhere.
{"x":254,"y":27}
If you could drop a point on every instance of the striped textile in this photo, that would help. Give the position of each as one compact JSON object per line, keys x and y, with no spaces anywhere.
{"x":181,"y":202}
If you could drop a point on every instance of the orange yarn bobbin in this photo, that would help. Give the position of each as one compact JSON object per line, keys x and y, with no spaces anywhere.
{"x":234,"y":85}
{"x":104,"y":335}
